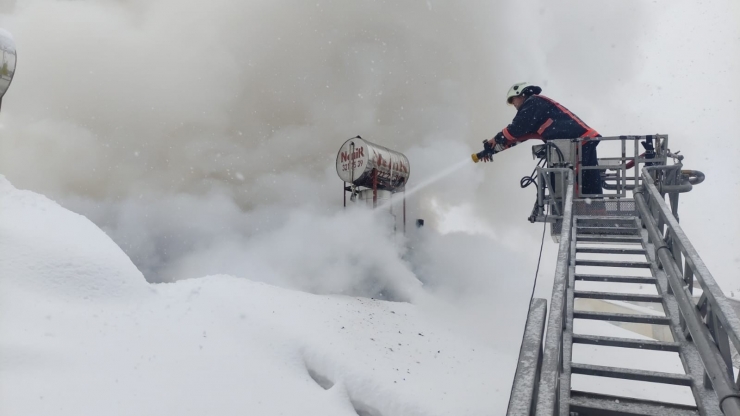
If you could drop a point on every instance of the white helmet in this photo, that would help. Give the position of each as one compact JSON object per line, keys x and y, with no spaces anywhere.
{"x":519,"y":88}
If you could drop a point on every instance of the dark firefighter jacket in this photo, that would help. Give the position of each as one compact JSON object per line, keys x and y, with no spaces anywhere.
{"x":543,"y":118}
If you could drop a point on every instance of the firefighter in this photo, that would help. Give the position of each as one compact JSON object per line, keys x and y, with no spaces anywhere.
{"x":540,"y":117}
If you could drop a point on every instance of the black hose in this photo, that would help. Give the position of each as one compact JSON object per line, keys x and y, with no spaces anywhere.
{"x":561,"y":158}
{"x":531,"y":179}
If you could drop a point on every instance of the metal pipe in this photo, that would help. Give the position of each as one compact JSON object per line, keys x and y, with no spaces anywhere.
{"x":662,"y":168}
{"x":727,"y":394}
{"x":673,"y":189}
{"x":694,"y":176}
{"x":669,"y":189}
{"x":611,"y":187}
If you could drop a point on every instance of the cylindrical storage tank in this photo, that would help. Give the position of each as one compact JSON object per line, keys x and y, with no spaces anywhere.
{"x":7,"y":61}
{"x":367,"y":196}
{"x":358,"y":157}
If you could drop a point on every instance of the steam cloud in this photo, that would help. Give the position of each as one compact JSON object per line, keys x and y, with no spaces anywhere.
{"x":201,"y":135}
{"x":205,"y":142}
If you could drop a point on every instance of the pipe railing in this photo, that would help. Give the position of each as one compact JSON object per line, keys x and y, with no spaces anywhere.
{"x":713,"y":324}
{"x":620,"y":165}
{"x":622,"y":179}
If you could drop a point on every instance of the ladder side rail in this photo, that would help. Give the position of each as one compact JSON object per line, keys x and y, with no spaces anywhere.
{"x":714,"y":368}
{"x":523,"y":396}
{"x":565,"y":375}
{"x":699,"y":271}
{"x":547,"y":398}
{"x":705,"y":398}
{"x":714,"y":365}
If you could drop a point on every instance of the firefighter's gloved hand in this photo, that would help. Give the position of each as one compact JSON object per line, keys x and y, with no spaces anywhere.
{"x":487,"y":154}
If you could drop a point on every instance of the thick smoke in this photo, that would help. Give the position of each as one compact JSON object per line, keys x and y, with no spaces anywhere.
{"x":201,"y":135}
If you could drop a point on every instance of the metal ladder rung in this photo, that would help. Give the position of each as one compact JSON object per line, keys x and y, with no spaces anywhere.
{"x":629,"y":297}
{"x":612,"y":218}
{"x":631,"y":374}
{"x":622,"y":317}
{"x":594,"y":403}
{"x":640,"y":344}
{"x":606,"y":230}
{"x":596,"y":250}
{"x":609,"y":239}
{"x":614,"y":279}
{"x":612,"y":263}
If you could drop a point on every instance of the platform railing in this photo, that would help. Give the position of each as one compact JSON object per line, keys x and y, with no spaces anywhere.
{"x":620,"y":174}
{"x":616,"y":168}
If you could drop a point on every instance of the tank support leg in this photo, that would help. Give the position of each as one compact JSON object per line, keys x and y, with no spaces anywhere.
{"x":404,"y":209}
{"x":375,"y":188}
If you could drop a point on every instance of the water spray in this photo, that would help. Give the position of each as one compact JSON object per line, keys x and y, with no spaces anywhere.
{"x":438,"y":176}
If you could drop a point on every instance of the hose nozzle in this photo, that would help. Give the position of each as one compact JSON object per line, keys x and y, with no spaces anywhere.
{"x":487,"y":152}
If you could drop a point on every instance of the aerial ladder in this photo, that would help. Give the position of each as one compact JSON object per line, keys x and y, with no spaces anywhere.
{"x":637,"y":215}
